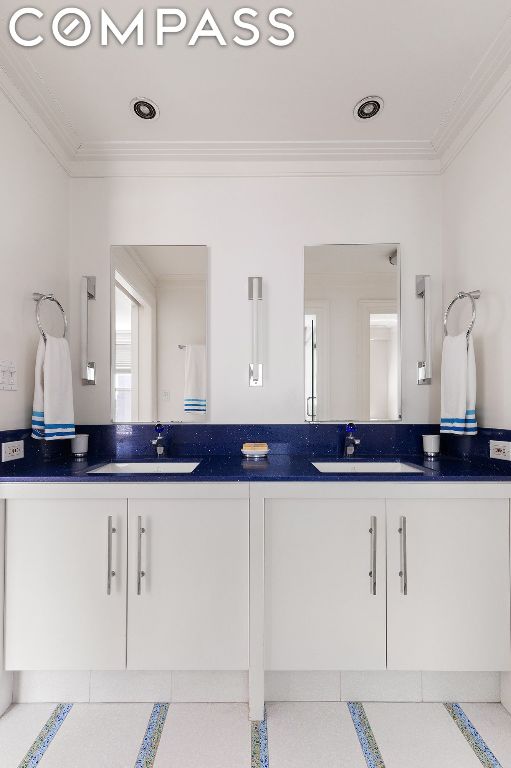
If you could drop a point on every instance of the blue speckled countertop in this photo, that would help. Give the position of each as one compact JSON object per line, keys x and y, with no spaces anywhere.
{"x":277,"y":468}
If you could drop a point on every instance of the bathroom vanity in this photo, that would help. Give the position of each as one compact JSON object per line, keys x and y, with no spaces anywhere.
{"x":196,"y":574}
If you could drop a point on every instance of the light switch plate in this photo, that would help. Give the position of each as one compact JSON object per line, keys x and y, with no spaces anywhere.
{"x":8,"y":375}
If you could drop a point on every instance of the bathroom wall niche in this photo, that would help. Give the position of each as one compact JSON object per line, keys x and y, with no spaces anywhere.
{"x":352,"y":333}
{"x":159,"y":333}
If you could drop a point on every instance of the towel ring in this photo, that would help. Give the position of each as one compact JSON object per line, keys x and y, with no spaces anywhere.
{"x":472,"y":295}
{"x":39,"y":298}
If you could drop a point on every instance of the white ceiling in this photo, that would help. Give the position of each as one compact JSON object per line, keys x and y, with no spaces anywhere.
{"x":432,"y":62}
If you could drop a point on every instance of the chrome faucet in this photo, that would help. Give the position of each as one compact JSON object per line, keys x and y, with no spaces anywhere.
{"x":350,"y":441}
{"x":158,"y":440}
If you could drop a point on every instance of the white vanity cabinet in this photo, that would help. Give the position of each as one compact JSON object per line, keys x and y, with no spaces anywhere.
{"x":188,"y":583}
{"x":267,"y":576}
{"x":450,"y":607}
{"x":443,"y":588}
{"x":133,"y":582}
{"x":64,"y":608}
{"x":324,"y":584}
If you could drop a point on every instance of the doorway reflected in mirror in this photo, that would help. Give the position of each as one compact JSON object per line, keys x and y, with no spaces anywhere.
{"x":158,"y":333}
{"x":352,"y":367}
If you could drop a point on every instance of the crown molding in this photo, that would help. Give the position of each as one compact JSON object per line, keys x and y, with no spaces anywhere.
{"x":27,"y":91}
{"x":33,"y":119}
{"x":162,"y":151}
{"x":467,"y":103}
{"x":477,"y":119}
{"x":251,"y":169}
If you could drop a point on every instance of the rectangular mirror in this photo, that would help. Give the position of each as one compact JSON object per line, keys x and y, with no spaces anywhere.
{"x":158,"y":333}
{"x":352,"y":333}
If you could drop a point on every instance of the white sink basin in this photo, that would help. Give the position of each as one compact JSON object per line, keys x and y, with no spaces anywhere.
{"x":146,"y":468}
{"x":367,"y":467}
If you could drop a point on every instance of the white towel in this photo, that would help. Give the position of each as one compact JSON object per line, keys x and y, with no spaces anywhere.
{"x":195,"y":379}
{"x":458,"y":410}
{"x":53,"y":412}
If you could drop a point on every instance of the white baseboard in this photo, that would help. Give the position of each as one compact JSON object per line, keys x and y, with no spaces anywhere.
{"x":505,"y":690}
{"x":6,"y":690}
{"x":129,"y":686}
{"x":6,"y":678}
{"x":38,"y":687}
{"x":381,"y":686}
{"x":461,"y":686}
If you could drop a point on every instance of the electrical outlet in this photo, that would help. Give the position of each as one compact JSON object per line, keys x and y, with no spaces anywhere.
{"x":12,"y":451}
{"x":500,"y":449}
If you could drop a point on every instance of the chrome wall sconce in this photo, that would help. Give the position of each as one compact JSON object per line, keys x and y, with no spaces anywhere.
{"x":87,"y":293}
{"x":255,"y":368}
{"x":423,"y":291}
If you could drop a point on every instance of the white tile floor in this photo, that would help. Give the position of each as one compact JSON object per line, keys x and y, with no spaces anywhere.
{"x":300,"y":735}
{"x":205,"y":736}
{"x":420,"y":736}
{"x":304,"y":735}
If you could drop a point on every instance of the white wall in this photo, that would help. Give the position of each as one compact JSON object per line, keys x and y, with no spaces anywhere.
{"x":34,"y":205}
{"x":34,"y":231}
{"x":257,"y":226}
{"x":477,"y":254}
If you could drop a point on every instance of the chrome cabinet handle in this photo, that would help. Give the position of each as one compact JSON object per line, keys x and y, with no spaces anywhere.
{"x":403,"y":573}
{"x":140,"y":572}
{"x":372,"y":573}
{"x":110,"y":573}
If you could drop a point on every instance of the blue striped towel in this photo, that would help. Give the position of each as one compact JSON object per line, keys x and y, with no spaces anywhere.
{"x":53,"y":412}
{"x":195,"y":379}
{"x":194,"y":405}
{"x":458,"y":409}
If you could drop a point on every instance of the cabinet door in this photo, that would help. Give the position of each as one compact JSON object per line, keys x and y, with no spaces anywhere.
{"x":321,"y":610}
{"x":59,"y":614}
{"x":454,"y":557}
{"x":190,"y":608}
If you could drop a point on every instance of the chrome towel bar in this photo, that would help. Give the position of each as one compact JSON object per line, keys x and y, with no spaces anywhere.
{"x":472,"y":295}
{"x":39,"y":298}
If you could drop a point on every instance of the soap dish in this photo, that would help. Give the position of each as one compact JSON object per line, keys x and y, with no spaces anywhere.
{"x":255,"y":454}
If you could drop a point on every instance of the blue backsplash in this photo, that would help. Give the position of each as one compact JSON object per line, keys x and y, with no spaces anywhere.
{"x":126,"y":441}
{"x":476,"y":447}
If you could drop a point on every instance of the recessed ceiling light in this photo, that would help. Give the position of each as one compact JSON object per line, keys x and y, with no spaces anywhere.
{"x":145,"y":109}
{"x":367,"y":108}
